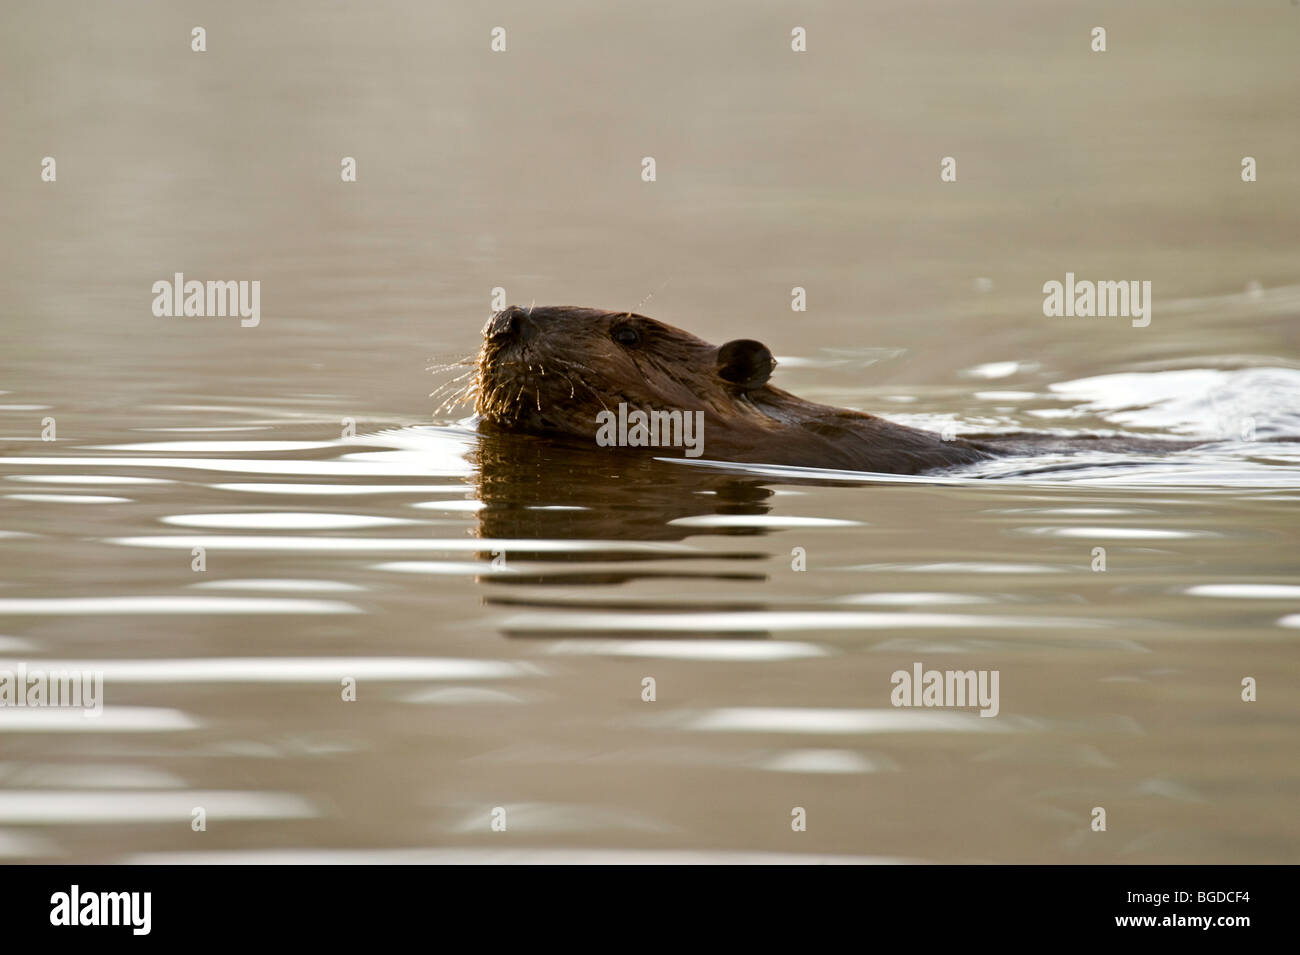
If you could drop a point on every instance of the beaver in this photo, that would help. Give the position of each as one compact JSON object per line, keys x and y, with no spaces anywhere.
{"x":572,"y":373}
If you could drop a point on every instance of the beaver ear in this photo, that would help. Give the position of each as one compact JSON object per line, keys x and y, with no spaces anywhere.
{"x":745,"y":362}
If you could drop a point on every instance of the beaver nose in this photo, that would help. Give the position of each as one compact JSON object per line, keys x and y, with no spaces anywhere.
{"x":510,"y":322}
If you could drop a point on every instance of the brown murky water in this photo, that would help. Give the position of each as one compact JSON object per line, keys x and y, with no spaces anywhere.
{"x":499,"y":603}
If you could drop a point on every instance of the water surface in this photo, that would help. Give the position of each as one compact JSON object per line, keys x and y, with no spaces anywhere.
{"x":499,"y":602}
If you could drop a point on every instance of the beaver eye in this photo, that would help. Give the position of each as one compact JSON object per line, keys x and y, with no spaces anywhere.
{"x":626,"y":335}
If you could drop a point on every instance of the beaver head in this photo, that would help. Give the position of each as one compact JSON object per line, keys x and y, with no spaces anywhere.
{"x":554,"y":369}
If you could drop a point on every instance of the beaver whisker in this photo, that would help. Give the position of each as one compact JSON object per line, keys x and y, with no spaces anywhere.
{"x":445,"y":406}
{"x":597,"y":394}
{"x":450,"y":382}
{"x":453,"y":401}
{"x":450,"y":402}
{"x":470,"y":373}
{"x":569,"y":366}
{"x":498,"y":375}
{"x":460,"y":397}
{"x":471,"y":359}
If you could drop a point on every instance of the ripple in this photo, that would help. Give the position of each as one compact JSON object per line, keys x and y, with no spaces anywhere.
{"x":1116,"y":533}
{"x":444,"y":567}
{"x":371,"y":544}
{"x":829,"y":761}
{"x":401,"y":458}
{"x":748,"y":621}
{"x":285,"y":520}
{"x":558,"y":817}
{"x":323,"y":586}
{"x":89,"y":776}
{"x":289,"y":669}
{"x":965,"y":567}
{"x":207,"y":430}
{"x":446,"y":466}
{"x":463,"y":696}
{"x":1246,"y":591}
{"x":112,"y":719}
{"x":85,"y":479}
{"x":60,"y":606}
{"x":775,"y":719}
{"x":69,"y":498}
{"x":999,"y":369}
{"x":450,"y":505}
{"x":820,"y":474}
{"x":1090,"y":644}
{"x":218,"y":447}
{"x":904,"y":598}
{"x":344,"y":489}
{"x":760,"y":520}
{"x":1074,"y":511}
{"x":44,"y":806}
{"x":735,"y":650}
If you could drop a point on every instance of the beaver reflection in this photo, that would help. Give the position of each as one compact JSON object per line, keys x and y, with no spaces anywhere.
{"x":541,"y":489}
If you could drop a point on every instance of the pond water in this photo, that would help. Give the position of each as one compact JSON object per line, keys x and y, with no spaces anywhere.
{"x":498,"y":602}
